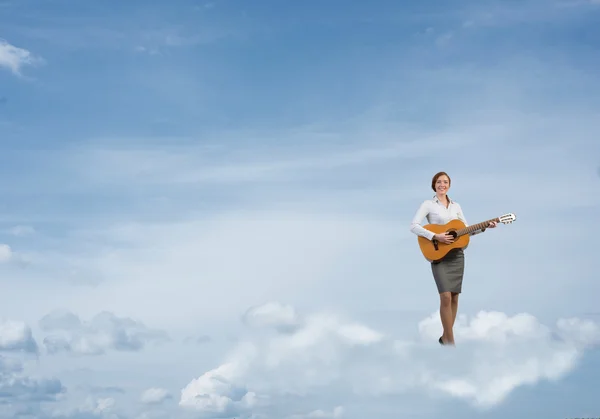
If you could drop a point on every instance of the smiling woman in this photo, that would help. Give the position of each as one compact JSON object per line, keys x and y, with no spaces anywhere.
{"x":447,"y":272}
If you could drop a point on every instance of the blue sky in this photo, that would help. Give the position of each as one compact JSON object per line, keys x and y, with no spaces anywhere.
{"x":206,"y":208}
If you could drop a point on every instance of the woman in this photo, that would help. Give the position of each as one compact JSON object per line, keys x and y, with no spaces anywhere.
{"x":447,"y":273}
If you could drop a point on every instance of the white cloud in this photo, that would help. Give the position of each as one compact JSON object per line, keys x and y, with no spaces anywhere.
{"x":14,"y":58}
{"x":16,"y":336}
{"x":496,"y":355}
{"x":215,"y":394}
{"x":9,"y":256}
{"x":104,"y":332}
{"x":155,"y":395}
{"x":6,"y":253}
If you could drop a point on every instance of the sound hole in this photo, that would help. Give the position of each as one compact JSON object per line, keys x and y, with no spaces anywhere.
{"x":452,"y":233}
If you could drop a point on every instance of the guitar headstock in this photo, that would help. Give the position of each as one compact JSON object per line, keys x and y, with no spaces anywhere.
{"x":507,"y":218}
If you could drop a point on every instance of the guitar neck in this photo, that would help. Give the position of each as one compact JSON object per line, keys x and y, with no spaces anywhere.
{"x":475,"y":227}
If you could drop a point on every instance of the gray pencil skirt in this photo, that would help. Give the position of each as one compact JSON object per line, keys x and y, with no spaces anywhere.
{"x":448,"y":272}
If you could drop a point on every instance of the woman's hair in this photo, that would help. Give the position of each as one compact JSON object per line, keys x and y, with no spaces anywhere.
{"x":435,"y":178}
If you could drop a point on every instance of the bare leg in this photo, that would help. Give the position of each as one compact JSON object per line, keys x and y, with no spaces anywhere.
{"x":454,"y":305}
{"x":447,"y":317}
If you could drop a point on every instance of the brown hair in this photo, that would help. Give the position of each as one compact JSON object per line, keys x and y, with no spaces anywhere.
{"x":436,"y":177}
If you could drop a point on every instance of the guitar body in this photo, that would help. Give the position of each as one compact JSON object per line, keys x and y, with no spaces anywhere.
{"x":434,"y":250}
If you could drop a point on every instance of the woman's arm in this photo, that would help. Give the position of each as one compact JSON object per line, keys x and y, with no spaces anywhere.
{"x":416,"y":227}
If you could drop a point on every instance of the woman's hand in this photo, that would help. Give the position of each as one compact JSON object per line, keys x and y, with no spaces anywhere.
{"x":493,"y":224}
{"x":444,"y":238}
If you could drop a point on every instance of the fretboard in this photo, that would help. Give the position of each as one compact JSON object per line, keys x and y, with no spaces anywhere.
{"x":475,"y":227}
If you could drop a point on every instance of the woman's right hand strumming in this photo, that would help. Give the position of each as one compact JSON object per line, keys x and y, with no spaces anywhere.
{"x":444,"y":238}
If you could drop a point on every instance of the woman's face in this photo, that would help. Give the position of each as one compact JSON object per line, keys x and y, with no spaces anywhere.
{"x":442,"y":184}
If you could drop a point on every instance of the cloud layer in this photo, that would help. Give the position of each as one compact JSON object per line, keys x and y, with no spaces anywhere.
{"x":496,"y":355}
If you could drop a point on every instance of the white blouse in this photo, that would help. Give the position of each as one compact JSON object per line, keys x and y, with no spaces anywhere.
{"x":437,"y":213}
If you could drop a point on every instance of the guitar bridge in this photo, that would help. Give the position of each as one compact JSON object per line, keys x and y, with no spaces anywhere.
{"x":435,"y":245}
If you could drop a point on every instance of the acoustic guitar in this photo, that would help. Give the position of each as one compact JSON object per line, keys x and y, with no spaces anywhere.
{"x":434,"y":250}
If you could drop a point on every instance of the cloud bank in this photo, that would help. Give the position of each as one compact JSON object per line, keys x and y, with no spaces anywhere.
{"x":327,"y":353}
